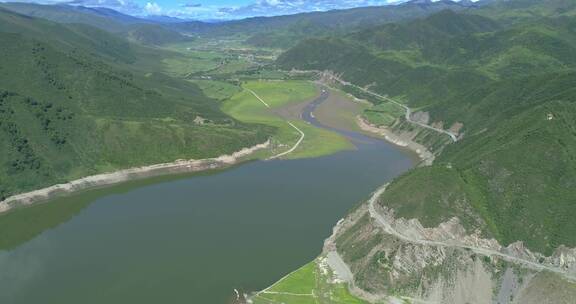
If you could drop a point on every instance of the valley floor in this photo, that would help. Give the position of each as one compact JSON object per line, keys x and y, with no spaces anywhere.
{"x":279,"y":104}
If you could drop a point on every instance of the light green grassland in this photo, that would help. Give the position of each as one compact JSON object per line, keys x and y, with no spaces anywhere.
{"x":383,"y":114}
{"x":191,"y":62}
{"x":309,"y":284}
{"x":209,"y":57}
{"x":281,"y":93}
{"x":207,"y":62}
{"x":247,"y":108}
{"x":232,"y":65}
{"x":318,"y":142}
{"x":300,"y":282}
{"x":218,"y":90}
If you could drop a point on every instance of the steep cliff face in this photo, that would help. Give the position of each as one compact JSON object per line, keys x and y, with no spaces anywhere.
{"x":397,"y":259}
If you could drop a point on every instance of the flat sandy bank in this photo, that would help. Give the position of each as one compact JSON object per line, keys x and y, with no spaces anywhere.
{"x":342,"y":111}
{"x":404,"y":141}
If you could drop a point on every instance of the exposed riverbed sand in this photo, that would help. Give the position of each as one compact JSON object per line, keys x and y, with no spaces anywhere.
{"x":106,"y":179}
{"x":425,"y":155}
{"x":340,"y":111}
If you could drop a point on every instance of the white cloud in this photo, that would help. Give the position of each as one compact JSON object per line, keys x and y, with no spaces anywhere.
{"x":152,"y":8}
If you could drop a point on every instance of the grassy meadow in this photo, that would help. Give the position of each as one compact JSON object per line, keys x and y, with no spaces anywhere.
{"x":313,"y":283}
{"x":278,"y":94}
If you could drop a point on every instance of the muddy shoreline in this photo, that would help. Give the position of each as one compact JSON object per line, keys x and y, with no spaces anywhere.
{"x":426,"y":157}
{"x":355,"y":123}
{"x":125,"y":175}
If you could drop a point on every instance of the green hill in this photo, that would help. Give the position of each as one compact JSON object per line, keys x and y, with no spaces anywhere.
{"x":514,"y":168}
{"x":275,"y":32}
{"x":65,"y":14}
{"x":152,"y":34}
{"x":521,"y":10}
{"x":425,"y":34}
{"x":285,"y":31}
{"x":138,"y":30}
{"x":68,"y":110}
{"x":509,"y":83}
{"x":78,"y":36}
{"x":430,"y":59}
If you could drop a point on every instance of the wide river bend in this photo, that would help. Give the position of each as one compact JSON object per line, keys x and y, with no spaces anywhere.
{"x":189,"y":239}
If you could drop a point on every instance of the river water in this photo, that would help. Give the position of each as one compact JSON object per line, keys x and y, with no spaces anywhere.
{"x":188,"y":239}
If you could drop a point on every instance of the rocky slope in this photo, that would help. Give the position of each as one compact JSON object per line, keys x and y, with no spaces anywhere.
{"x":445,"y":264}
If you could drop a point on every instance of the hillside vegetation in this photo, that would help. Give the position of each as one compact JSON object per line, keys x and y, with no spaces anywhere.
{"x":68,"y":110}
{"x":269,"y":32}
{"x":509,"y":81}
{"x":136,"y":29}
{"x":285,"y":31}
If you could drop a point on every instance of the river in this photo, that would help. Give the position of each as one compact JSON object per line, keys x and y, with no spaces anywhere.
{"x":188,"y":239}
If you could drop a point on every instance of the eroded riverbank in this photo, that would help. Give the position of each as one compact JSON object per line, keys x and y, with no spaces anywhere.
{"x":112,"y":178}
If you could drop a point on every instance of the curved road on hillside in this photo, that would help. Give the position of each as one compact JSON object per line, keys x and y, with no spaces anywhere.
{"x":482,"y":251}
{"x":408,"y":114}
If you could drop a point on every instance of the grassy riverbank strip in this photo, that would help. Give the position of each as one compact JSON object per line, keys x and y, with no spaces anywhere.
{"x":313,"y":283}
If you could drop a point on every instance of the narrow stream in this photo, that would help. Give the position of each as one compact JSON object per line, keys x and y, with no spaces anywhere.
{"x":189,"y":239}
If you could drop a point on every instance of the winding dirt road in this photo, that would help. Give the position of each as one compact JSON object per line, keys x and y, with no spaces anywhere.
{"x":302,"y":135}
{"x":408,"y":114}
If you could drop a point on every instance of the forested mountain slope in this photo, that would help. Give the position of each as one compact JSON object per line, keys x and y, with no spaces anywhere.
{"x":515,"y":165}
{"x":510,"y":84}
{"x":140,"y":30}
{"x":277,"y":32}
{"x":521,"y":10}
{"x":67,"y":110}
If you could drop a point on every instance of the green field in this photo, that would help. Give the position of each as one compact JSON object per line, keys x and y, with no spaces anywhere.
{"x":278,"y":94}
{"x":218,"y":90}
{"x":192,"y":62}
{"x":219,"y":58}
{"x":313,"y":283}
{"x":383,"y":114}
{"x":281,"y":93}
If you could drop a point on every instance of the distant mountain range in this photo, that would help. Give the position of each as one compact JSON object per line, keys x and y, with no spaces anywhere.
{"x":280,"y":31}
{"x":151,"y":30}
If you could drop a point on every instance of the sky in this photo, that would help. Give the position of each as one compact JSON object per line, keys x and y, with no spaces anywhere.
{"x":218,"y":9}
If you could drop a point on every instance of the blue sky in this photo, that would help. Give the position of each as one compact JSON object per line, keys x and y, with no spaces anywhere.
{"x":219,"y":9}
